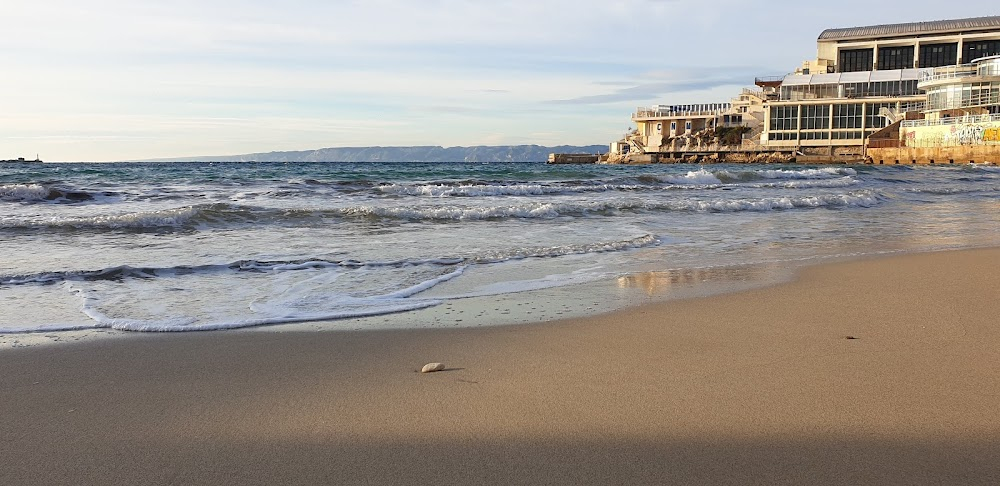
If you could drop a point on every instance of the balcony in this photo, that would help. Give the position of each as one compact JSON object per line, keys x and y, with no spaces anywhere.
{"x":681,"y":111}
{"x":769,"y":81}
{"x":957,"y":120}
{"x":928,"y":77}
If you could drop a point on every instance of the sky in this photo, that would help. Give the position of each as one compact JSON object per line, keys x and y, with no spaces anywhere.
{"x":111,"y":80}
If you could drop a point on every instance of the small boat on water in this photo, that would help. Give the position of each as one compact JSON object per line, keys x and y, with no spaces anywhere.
{"x":21,"y":160}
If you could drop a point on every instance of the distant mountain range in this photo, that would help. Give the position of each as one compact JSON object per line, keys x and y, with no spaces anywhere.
{"x":506,"y":153}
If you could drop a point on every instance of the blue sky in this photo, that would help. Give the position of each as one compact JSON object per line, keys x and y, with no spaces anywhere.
{"x":109,"y":80}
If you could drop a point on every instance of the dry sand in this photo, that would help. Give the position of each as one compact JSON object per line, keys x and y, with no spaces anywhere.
{"x":760,"y":387}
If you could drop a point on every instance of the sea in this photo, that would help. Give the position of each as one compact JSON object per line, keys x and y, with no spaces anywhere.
{"x":126,"y":248}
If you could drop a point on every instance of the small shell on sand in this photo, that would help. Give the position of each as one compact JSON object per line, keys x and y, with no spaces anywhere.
{"x":432,"y":367}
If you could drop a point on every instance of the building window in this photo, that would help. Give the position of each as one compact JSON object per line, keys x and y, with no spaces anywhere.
{"x":852,"y":60}
{"x":872,"y":118}
{"x":815,"y":117}
{"x":782,"y":136}
{"x":673,"y":127}
{"x":847,"y":116}
{"x":784,"y":118}
{"x":855,"y":135}
{"x":895,"y":57}
{"x":974,"y":50}
{"x":659,"y":127}
{"x":687,"y":126}
{"x":963,"y":96}
{"x":937,"y":55}
{"x":815,"y":135}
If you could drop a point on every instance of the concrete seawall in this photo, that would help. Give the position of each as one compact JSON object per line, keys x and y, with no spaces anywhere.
{"x":573,"y":158}
{"x":977,"y":154}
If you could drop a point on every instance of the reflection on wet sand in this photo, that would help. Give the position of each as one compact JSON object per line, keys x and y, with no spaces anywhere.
{"x":671,"y":281}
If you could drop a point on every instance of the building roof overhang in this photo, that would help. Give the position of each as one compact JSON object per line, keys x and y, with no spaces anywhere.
{"x":853,"y":77}
{"x":911,"y":29}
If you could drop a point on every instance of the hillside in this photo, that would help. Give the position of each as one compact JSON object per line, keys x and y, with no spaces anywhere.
{"x":510,"y":153}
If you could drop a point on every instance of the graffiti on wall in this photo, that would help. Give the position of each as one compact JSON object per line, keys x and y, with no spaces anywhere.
{"x":964,"y":135}
{"x":953,"y":135}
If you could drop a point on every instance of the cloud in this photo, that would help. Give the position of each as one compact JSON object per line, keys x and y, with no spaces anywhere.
{"x":655,"y":86}
{"x":113,"y":79}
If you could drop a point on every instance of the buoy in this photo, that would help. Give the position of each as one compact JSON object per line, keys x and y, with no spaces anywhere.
{"x":432,"y":367}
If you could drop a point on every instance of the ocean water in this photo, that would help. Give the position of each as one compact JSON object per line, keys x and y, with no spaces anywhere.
{"x":206,"y":246}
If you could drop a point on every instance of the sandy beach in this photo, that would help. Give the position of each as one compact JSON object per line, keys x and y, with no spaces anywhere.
{"x":868,"y":372}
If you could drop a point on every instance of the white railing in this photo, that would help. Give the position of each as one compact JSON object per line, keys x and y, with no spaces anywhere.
{"x":663,"y":113}
{"x":950,"y":72}
{"x":952,"y":121}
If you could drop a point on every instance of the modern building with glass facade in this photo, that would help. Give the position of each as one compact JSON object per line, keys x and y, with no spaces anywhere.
{"x":970,"y":89}
{"x":865,"y":78}
{"x":832,"y":114}
{"x":911,"y":45}
{"x":862,"y":80}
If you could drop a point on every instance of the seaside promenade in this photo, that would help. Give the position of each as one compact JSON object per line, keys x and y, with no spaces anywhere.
{"x":866,"y":372}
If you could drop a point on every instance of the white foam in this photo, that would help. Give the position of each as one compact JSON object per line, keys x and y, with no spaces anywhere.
{"x":989,"y":167}
{"x":144,"y":219}
{"x":824,"y":173}
{"x":847,"y":181}
{"x":298,"y":303}
{"x":468,"y":190}
{"x":498,"y":256}
{"x":423,"y":286}
{"x":859,"y":199}
{"x":486,"y":190}
{"x":23,"y":192}
{"x":700,"y":177}
{"x":554,"y":210}
{"x":459,"y":213}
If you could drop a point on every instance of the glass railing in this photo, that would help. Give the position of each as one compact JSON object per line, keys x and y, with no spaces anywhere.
{"x":950,"y":72}
{"x":956,"y":120}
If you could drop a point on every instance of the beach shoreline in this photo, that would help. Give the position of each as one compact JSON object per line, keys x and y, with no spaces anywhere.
{"x":866,"y":371}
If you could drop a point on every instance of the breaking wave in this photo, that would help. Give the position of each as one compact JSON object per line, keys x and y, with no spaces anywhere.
{"x":125,"y":272}
{"x":40,"y":193}
{"x":118,"y":297}
{"x":539,"y":210}
{"x":700,"y":177}
{"x":728,"y":176}
{"x":214,"y":215}
{"x":847,"y":181}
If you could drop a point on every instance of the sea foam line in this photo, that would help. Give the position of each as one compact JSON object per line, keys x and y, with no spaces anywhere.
{"x":128,"y":272}
{"x":551,"y":210}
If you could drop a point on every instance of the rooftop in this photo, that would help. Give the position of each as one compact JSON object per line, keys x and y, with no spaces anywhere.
{"x":912,"y":28}
{"x":858,"y":77}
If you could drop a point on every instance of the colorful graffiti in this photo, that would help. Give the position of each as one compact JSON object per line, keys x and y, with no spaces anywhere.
{"x":952,"y":135}
{"x":964,"y":135}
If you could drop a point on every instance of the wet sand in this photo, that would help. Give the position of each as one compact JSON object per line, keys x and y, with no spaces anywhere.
{"x":759,"y":387}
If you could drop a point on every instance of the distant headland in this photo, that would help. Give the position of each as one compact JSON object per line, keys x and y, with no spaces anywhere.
{"x":481,"y":153}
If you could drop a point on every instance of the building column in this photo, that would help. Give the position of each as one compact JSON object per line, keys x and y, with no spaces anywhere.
{"x":829,"y":126}
{"x":916,"y":54}
{"x":798,"y":125}
{"x":961,"y":45}
{"x":864,"y":120}
{"x":875,"y":57}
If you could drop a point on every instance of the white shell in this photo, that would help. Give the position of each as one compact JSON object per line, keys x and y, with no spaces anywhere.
{"x":432,"y":367}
